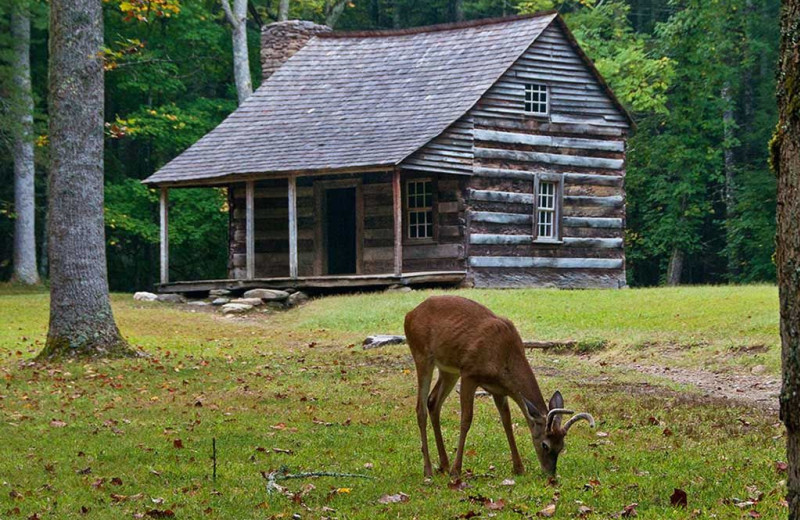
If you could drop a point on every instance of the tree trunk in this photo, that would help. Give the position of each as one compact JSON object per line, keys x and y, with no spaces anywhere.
{"x":458,"y":10}
{"x":81,"y":321}
{"x":785,"y":157}
{"x":283,"y":10}
{"x":22,"y":150}
{"x":333,"y":10}
{"x":237,"y":18}
{"x":396,"y":14}
{"x":675,"y":267}
{"x":728,"y":124}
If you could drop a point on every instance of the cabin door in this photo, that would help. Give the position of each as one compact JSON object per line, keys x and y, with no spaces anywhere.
{"x":340,"y":230}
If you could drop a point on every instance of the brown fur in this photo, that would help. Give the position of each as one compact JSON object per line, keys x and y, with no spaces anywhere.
{"x":465,"y":339}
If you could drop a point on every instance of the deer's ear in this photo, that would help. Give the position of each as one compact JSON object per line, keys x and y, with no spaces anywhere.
{"x":556,"y":401}
{"x":532,"y":411}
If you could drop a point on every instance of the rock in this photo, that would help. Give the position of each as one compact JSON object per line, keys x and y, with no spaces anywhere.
{"x":236,"y":308}
{"x":144,"y":296}
{"x":198,"y":303}
{"x":278,"y":306}
{"x":171,"y":298}
{"x":220,"y":301}
{"x":267,"y":294}
{"x":381,"y":340}
{"x":255,"y":302}
{"x":219,"y":292}
{"x":398,"y":288}
{"x":758,"y":370}
{"x":297,"y":298}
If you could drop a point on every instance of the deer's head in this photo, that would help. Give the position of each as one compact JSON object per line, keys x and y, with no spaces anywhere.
{"x":547,"y":432}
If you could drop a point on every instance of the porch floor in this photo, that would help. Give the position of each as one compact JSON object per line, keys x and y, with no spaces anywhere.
{"x":318,"y":282}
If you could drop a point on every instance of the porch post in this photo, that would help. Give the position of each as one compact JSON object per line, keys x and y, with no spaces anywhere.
{"x":292,"y":227}
{"x":398,"y":222}
{"x":250,"y":239}
{"x":164,"y":235}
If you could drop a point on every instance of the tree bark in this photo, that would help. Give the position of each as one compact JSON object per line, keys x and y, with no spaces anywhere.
{"x":81,"y":321}
{"x":237,"y":18}
{"x":675,"y":267}
{"x":22,"y":150}
{"x":728,"y":125}
{"x":458,"y":10}
{"x":333,"y":10}
{"x":785,"y":158}
{"x":283,"y":10}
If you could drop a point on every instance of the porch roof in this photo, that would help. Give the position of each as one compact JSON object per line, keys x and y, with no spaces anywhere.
{"x":350,"y":101}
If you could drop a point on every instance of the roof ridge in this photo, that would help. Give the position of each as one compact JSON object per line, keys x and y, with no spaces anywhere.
{"x":435,"y":28}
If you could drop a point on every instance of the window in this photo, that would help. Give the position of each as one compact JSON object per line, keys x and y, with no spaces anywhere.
{"x":547,"y":196}
{"x":419,"y":197}
{"x":536,"y":98}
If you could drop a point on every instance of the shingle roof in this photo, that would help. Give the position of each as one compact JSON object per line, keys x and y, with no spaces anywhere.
{"x":358,"y":100}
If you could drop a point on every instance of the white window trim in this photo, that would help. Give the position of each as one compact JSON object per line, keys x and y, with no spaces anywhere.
{"x":558,"y":180}
{"x":410,"y":210}
{"x":546,"y":100}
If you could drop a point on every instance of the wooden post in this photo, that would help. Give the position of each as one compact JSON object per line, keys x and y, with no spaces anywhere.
{"x":292,"y":227}
{"x":164,"y":235}
{"x":250,"y":229}
{"x":397,"y":199}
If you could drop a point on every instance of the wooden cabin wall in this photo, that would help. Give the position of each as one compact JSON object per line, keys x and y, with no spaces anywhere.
{"x":272,"y":224}
{"x":582,"y":142}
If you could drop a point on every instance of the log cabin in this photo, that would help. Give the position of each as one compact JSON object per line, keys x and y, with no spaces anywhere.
{"x":488,"y":153}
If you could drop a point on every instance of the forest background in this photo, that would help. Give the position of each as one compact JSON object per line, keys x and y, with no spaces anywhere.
{"x":697,"y":75}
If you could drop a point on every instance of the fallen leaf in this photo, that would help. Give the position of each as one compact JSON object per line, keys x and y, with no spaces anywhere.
{"x":629,"y":511}
{"x":781,"y":466}
{"x":84,"y":471}
{"x":369,"y":465}
{"x":508,"y":482}
{"x":177,"y":443}
{"x":653,"y":421}
{"x":469,"y":514}
{"x":16,"y":495}
{"x":548,"y":511}
{"x":393,"y":499}
{"x":495,"y":505}
{"x":281,"y":450}
{"x":116,"y":481}
{"x":160,"y":513}
{"x":56,"y":423}
{"x":667,"y":432}
{"x":584,"y":511}
{"x":457,"y":485}
{"x":84,"y":510}
{"x":602,"y":434}
{"x":754,"y":514}
{"x":678,"y":498}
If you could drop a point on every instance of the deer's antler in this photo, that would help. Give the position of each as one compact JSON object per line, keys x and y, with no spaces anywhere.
{"x":552,"y":414}
{"x":577,"y":417}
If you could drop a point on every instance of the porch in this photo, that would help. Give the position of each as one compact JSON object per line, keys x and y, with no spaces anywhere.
{"x":335,"y":231}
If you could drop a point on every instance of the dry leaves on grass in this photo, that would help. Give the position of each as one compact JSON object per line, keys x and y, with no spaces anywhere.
{"x":393,"y":499}
{"x":679,"y":498}
{"x":548,"y":511}
{"x":629,"y":511}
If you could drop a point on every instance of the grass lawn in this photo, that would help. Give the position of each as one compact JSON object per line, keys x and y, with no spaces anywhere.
{"x":294,"y":392}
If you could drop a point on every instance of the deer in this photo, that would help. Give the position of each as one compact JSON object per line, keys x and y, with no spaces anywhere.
{"x":464,"y":339}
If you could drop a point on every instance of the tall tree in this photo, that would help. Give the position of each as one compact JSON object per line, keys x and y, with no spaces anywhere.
{"x":22,"y":148}
{"x":237,"y":18}
{"x":81,"y":321}
{"x":785,"y":150}
{"x":283,"y":10}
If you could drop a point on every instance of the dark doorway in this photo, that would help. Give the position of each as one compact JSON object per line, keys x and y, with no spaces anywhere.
{"x":340,"y":225}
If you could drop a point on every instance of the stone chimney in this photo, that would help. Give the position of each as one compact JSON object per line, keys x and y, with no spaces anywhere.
{"x":280,"y":40}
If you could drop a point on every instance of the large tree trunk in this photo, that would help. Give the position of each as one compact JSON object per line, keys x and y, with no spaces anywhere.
{"x":81,"y":321}
{"x":675,"y":267}
{"x":785,"y":156}
{"x":237,"y":18}
{"x":283,"y":10}
{"x":333,"y":10}
{"x":728,"y":125}
{"x":22,"y":150}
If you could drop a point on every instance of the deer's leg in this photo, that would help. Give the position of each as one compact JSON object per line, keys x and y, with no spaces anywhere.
{"x":424,"y":376}
{"x":468,"y":387}
{"x":501,"y":402}
{"x":440,"y":392}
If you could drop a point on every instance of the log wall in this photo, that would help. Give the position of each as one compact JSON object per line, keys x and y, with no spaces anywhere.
{"x":447,"y":252}
{"x":580,"y":143}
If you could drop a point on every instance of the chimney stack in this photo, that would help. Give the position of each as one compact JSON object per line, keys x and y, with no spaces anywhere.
{"x":280,"y":40}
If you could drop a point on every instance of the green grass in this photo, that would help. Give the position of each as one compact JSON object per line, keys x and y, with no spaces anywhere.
{"x":298,"y":381}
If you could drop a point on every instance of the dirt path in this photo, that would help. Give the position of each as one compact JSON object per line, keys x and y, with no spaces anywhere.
{"x":760,"y":391}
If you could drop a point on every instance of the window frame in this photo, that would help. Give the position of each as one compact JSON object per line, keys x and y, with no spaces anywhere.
{"x":558,"y":203}
{"x":407,"y":211}
{"x":525,"y":88}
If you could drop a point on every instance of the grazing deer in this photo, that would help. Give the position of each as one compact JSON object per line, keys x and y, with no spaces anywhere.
{"x":462,"y":338}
